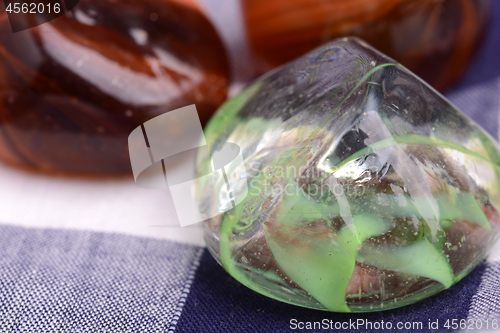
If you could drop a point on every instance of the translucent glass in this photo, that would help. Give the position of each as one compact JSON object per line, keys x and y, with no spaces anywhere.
{"x":368,"y":190}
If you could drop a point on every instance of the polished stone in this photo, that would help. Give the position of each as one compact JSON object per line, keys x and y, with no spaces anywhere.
{"x":434,"y":39}
{"x":72,"y":89}
{"x":367,"y":189}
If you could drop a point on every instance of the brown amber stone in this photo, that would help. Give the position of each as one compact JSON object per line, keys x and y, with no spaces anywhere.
{"x":73,"y":89}
{"x":434,"y":39}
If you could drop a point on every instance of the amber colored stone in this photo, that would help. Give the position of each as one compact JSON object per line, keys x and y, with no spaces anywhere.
{"x":434,"y":39}
{"x":73,"y":89}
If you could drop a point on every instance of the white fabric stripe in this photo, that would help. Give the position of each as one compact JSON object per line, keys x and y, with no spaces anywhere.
{"x":106,"y":205}
{"x":185,"y":291}
{"x":486,"y":302}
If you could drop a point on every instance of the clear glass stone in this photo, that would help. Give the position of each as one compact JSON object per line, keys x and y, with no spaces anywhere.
{"x":367,"y":189}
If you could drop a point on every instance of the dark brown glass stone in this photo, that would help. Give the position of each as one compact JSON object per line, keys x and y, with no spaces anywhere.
{"x":73,"y":89}
{"x":434,"y":39}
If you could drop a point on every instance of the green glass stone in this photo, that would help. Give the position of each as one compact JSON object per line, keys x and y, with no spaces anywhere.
{"x":367,"y":189}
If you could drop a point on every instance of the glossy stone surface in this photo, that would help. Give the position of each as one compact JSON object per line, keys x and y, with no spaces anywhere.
{"x":368,"y":190}
{"x":434,"y":39}
{"x":73,"y":89}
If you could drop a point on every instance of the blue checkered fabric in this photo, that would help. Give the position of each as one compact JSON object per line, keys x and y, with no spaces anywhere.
{"x":77,"y":281}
